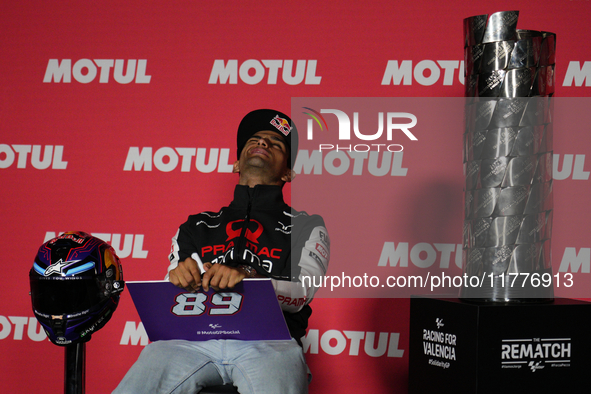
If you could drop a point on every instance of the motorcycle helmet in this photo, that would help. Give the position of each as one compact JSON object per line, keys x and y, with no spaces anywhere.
{"x":76,"y":281}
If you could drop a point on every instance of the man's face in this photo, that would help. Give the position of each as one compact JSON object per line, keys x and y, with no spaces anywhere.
{"x":265,"y":155}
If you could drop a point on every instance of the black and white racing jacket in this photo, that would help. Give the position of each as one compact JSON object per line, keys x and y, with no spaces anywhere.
{"x":259,"y":229}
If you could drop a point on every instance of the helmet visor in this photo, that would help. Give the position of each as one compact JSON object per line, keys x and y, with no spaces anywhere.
{"x":64,"y":296}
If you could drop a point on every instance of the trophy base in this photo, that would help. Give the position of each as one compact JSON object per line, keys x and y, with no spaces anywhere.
{"x":491,"y":347}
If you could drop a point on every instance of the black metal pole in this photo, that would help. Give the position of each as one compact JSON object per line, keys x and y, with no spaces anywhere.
{"x":75,"y":365}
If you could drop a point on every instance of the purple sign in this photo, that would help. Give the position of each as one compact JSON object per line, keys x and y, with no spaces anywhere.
{"x":248,"y":312}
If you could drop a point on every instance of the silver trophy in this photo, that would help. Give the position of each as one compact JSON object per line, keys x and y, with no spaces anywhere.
{"x":508,"y":204}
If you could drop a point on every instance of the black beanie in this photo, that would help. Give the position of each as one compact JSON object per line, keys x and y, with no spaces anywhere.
{"x":268,"y":119}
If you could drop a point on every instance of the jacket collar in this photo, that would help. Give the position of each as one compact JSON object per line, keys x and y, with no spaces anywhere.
{"x":260,"y":197}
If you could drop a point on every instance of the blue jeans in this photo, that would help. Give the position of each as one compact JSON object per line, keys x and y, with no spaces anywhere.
{"x":254,"y":367}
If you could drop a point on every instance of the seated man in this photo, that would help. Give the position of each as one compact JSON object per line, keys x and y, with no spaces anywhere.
{"x":257,"y":235}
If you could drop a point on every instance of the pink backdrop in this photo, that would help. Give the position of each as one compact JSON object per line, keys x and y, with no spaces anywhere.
{"x":99,"y":100}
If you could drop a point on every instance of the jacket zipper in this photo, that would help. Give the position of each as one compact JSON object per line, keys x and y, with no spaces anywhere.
{"x":242,"y":240}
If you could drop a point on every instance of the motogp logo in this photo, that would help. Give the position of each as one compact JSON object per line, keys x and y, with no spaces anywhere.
{"x":535,"y":366}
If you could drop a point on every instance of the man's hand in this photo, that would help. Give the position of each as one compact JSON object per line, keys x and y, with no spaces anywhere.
{"x":219,"y":276}
{"x":186,"y":275}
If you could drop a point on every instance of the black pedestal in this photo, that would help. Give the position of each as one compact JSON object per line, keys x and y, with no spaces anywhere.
{"x":75,"y":368}
{"x":461,"y":347}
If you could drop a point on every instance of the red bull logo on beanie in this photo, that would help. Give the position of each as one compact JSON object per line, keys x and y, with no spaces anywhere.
{"x":281,"y":124}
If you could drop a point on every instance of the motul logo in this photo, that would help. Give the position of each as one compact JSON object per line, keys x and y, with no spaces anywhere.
{"x":167,"y":159}
{"x":335,"y":342}
{"x":430,"y":72}
{"x":125,"y":245}
{"x":15,"y":325}
{"x":425,"y":72}
{"x":569,"y":166}
{"x":347,"y":160}
{"x":577,"y":74}
{"x":134,"y":335}
{"x":422,"y":255}
{"x":86,"y":70}
{"x":574,"y":260}
{"x":252,"y":72}
{"x":38,"y":156}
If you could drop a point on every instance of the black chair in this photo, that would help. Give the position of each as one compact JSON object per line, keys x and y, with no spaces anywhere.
{"x":225,"y":389}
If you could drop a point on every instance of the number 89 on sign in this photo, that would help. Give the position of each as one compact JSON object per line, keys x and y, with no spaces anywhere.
{"x":217,"y":304}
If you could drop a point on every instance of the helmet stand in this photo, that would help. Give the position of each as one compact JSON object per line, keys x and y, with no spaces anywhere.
{"x":75,"y":366}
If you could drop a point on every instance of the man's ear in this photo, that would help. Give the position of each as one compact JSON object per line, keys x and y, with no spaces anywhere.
{"x":289,"y":175}
{"x":236,"y":167}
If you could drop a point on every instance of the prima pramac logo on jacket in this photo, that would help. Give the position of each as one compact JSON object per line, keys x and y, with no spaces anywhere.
{"x":242,"y":242}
